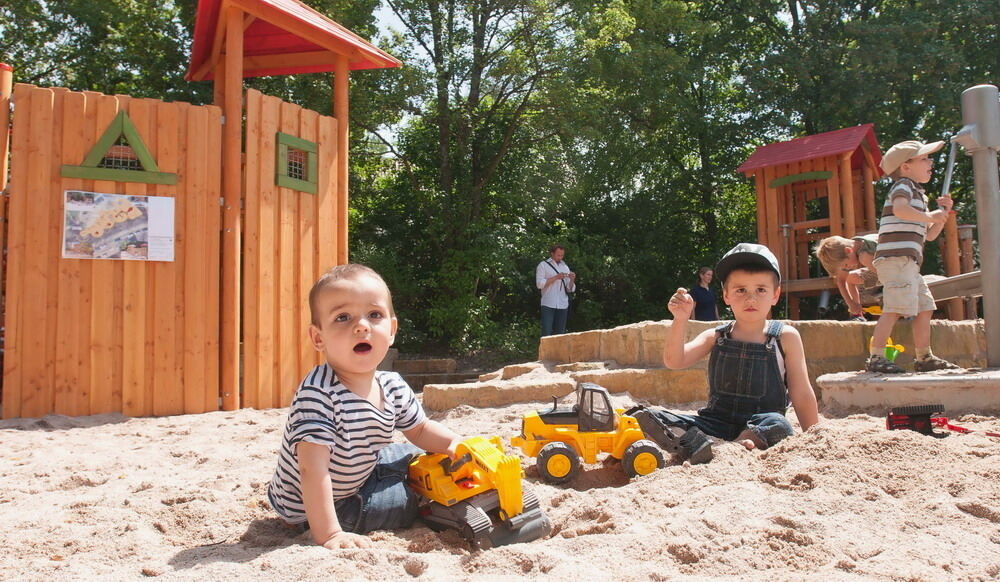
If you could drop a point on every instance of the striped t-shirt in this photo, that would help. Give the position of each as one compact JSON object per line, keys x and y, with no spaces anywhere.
{"x":898,"y":237}
{"x":325,"y":412}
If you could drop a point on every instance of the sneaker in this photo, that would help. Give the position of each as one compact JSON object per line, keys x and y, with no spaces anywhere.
{"x":880,"y":365}
{"x":932,"y":363}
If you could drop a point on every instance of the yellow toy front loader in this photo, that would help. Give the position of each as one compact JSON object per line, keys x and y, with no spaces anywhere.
{"x":480,"y":494}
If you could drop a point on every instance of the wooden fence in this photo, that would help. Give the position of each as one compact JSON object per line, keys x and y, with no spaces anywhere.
{"x":290,"y":238}
{"x":93,"y":336}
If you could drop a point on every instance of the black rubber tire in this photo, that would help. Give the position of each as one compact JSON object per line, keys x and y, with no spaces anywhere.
{"x":556,"y":452}
{"x":640,"y":457}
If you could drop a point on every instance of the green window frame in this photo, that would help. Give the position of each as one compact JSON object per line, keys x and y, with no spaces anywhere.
{"x":291,"y":154}
{"x":121,"y":126}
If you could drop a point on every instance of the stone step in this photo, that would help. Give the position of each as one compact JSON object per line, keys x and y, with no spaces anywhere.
{"x":428,"y":366}
{"x":418,"y":381}
{"x":957,"y":390}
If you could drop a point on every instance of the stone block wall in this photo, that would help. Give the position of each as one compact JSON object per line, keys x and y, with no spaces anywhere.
{"x":830,"y":346}
{"x":630,"y":359}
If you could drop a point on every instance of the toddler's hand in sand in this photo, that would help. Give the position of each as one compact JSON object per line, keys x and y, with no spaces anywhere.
{"x":681,"y":304}
{"x":347,"y":540}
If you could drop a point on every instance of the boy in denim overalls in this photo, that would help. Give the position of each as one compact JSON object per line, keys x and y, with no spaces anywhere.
{"x":755,"y":366}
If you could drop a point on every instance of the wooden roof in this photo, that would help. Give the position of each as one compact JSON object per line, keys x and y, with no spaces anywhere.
{"x":831,"y":143}
{"x":280,"y":37}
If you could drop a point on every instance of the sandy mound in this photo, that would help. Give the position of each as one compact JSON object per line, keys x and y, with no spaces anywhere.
{"x":183,"y":498}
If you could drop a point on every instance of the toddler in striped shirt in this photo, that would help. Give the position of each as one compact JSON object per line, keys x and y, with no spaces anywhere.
{"x":339,"y":473}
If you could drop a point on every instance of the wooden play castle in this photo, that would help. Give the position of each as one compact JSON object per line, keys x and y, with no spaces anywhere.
{"x":94,"y":324}
{"x":821,"y":185}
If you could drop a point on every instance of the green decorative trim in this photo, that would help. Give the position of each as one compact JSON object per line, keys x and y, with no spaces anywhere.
{"x":281,"y":177}
{"x":804,"y":177}
{"x":112,"y":175}
{"x":120,"y":126}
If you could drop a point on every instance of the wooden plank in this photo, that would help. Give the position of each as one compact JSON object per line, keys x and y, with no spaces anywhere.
{"x":183,"y":252}
{"x":287,"y":273}
{"x":69,"y":350}
{"x":36,"y":396}
{"x":847,"y":195}
{"x":167,"y":393}
{"x":213,"y":260}
{"x":18,"y":186}
{"x":195,"y":244}
{"x":252,"y":176}
{"x":308,"y":241}
{"x":168,"y":145}
{"x":49,"y":257}
{"x":133,"y":298}
{"x":85,"y":306}
{"x":267,"y":315}
{"x":102,"y":307}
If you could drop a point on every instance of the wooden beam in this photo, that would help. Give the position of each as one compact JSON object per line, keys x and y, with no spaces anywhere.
{"x":300,"y":60}
{"x":847,"y":194}
{"x":340,"y":111}
{"x":215,"y":55}
{"x":801,"y":177}
{"x":800,"y":285}
{"x":232,"y":176}
{"x":868,"y":198}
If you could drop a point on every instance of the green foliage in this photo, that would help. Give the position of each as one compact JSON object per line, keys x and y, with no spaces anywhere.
{"x":612,"y":127}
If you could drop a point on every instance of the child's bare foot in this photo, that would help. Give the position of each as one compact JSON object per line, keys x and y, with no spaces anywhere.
{"x":750,"y":440}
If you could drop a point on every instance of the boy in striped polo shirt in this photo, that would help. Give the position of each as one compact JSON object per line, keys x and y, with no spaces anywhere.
{"x":905,"y":224}
{"x":338,"y":469}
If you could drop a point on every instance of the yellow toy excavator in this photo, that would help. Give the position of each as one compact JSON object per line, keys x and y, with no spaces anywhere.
{"x":479,"y":494}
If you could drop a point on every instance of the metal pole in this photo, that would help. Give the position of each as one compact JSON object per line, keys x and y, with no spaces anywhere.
{"x":981,"y":138}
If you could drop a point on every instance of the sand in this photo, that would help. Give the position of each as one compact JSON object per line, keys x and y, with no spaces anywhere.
{"x":183,"y":498}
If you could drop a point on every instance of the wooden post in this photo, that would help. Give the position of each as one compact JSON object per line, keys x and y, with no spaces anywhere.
{"x":949,"y":254}
{"x":340,"y":111}
{"x":833,"y":198}
{"x":758,"y":181}
{"x":847,"y":194}
{"x":6,"y":85}
{"x":966,"y":264}
{"x":871,"y":219}
{"x":232,"y":196}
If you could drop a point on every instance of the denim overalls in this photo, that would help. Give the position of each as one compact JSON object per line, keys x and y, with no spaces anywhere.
{"x":746,"y":389}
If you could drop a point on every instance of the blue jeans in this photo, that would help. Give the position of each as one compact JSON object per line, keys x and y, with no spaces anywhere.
{"x":385,"y":501}
{"x":553,"y":320}
{"x":770,"y":427}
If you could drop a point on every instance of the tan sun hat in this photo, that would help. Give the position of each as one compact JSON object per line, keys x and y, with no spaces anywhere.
{"x":906,"y":150}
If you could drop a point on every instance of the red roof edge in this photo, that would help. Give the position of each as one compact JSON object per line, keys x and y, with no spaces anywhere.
{"x":809,"y":147}
{"x":363,"y":55}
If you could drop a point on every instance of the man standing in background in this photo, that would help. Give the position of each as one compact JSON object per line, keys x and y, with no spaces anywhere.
{"x":556,"y":282}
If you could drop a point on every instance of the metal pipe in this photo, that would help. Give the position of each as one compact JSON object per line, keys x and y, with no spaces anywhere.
{"x":946,"y":185}
{"x":981,"y":137}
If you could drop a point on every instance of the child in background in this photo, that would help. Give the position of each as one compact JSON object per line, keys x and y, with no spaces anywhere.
{"x":849,"y":262}
{"x":336,"y":468}
{"x":755,"y":365}
{"x":904,"y":227}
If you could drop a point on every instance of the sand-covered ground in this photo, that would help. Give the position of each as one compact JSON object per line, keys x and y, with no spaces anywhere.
{"x":106,"y":497}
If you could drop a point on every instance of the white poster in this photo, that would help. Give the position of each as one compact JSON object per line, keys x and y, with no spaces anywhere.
{"x":115,"y":226}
